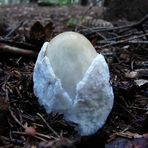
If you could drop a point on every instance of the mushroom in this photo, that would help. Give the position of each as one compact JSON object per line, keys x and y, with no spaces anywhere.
{"x":71,"y":78}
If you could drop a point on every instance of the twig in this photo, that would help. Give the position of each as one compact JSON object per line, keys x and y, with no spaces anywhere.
{"x":101,"y":35}
{"x":139,"y":24}
{"x":10,"y":50}
{"x":127,"y":27}
{"x":14,"y":141}
{"x":111,"y":43}
{"x":13,"y":30}
{"x":22,"y":133}
{"x":25,"y":45}
{"x":37,"y":135}
{"x":83,"y":16}
{"x":103,"y":29}
{"x":126,"y":134}
{"x":11,"y":112}
{"x":18,"y":122}
{"x":45,"y":136}
{"x":40,"y":138}
{"x":119,"y":37}
{"x":128,"y":41}
{"x":14,"y":117}
{"x":50,"y":128}
{"x":134,"y":107}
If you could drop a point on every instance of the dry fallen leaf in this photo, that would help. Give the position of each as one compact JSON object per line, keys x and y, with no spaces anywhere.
{"x":30,"y":131}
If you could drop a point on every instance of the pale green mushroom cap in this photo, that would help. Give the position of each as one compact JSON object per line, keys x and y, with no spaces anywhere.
{"x":70,"y":55}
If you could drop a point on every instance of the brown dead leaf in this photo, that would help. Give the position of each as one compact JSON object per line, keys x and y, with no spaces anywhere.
{"x":57,"y":143}
{"x":36,"y":34}
{"x":139,"y":73}
{"x":129,"y":140}
{"x":48,"y":30}
{"x":39,"y":33}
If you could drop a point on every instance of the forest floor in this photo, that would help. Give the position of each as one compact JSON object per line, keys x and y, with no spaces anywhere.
{"x":24,"y":123}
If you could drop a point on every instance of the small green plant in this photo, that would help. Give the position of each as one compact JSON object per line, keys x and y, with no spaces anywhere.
{"x":64,"y":2}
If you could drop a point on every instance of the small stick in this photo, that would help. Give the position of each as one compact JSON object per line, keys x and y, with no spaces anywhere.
{"x":22,"y":133}
{"x":17,"y":132}
{"x":6,"y":49}
{"x":13,"y":30}
{"x":138,"y":108}
{"x":50,"y":128}
{"x":83,"y":16}
{"x":37,"y":134}
{"x":25,"y":45}
{"x":127,"y":27}
{"x":11,"y":112}
{"x":14,"y":117}
{"x":128,"y":41}
{"x":45,"y":136}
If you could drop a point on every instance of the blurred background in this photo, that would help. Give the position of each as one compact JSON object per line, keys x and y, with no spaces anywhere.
{"x":132,"y":10}
{"x":52,"y":2}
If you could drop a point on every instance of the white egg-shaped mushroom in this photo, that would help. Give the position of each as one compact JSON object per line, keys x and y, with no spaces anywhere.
{"x":70,"y":77}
